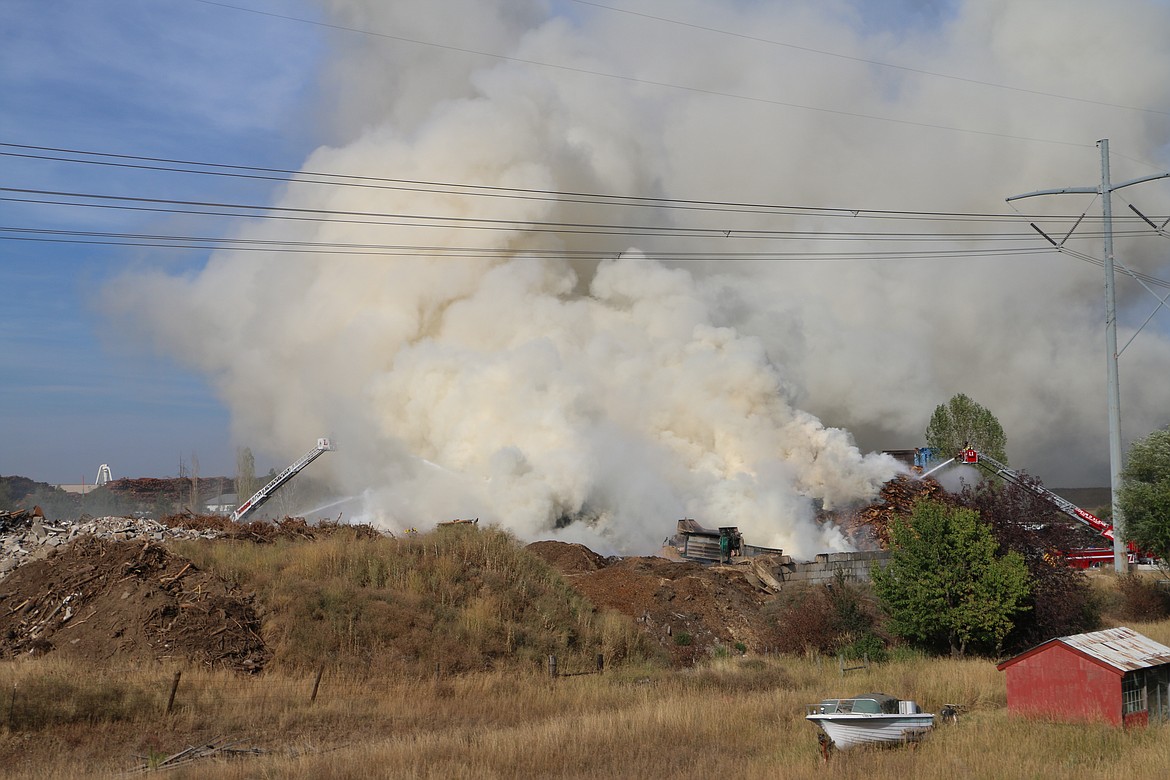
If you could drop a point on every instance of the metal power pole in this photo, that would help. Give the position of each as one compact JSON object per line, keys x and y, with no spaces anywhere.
{"x":1120,"y":559}
{"x":1105,"y":190}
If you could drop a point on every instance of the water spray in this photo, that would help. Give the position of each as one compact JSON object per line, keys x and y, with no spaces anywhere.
{"x":946,"y":462}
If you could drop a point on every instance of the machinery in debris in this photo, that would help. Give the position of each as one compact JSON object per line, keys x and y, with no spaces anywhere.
{"x":1081,"y":558}
{"x":705,"y":545}
{"x":265,"y":493}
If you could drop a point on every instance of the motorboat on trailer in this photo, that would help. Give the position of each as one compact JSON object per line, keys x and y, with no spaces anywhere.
{"x":870,"y":719}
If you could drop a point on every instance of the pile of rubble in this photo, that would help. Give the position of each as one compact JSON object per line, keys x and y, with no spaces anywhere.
{"x":264,"y":532}
{"x":98,"y":598}
{"x":100,"y":587}
{"x":27,"y":536}
{"x":870,"y":526}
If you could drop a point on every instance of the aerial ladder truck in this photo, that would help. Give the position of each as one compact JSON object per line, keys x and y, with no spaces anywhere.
{"x":1082,"y":558}
{"x":265,"y":493}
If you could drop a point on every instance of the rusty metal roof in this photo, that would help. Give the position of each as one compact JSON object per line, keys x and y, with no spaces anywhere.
{"x":1122,"y":648}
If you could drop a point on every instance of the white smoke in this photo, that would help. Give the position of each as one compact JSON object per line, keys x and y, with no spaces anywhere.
{"x":601,"y":401}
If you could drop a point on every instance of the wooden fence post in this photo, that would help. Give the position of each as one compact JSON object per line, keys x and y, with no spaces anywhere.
{"x":600,"y":663}
{"x":552,"y":666}
{"x":174,"y":689}
{"x":316,"y":683}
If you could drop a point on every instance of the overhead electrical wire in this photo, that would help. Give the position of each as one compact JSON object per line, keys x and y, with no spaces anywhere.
{"x":413,"y":250}
{"x":446,"y":222}
{"x":277,"y":246}
{"x":355,"y":180}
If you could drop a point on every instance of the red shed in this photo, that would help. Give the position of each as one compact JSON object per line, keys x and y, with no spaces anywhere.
{"x":1116,"y":675}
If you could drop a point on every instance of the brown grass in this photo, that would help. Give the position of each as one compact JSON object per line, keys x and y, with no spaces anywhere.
{"x":740,"y":717}
{"x":462,"y":598}
{"x":378,"y":615}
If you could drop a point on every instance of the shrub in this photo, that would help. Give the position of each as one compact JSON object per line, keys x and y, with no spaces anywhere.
{"x":830,"y":619}
{"x":868,"y":646}
{"x":1142,"y":599}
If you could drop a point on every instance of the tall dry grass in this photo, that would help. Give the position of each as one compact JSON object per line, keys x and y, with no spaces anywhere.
{"x":378,"y":615}
{"x":740,"y":717}
{"x":462,"y":598}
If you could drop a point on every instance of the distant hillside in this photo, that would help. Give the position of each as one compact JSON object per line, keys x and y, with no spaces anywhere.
{"x":15,"y":489}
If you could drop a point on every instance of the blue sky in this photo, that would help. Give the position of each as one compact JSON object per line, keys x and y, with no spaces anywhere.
{"x":166,"y":78}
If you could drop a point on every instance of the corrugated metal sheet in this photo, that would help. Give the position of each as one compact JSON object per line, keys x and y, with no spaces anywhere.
{"x":1121,"y":648}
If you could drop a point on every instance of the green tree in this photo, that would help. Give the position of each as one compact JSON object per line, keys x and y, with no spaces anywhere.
{"x":961,"y":423}
{"x":944,"y":583}
{"x":1145,"y":494}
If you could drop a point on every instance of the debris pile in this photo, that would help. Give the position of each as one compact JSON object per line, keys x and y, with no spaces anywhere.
{"x":569,"y":558}
{"x":149,"y":491}
{"x":27,"y":536}
{"x":99,"y":598}
{"x":262,"y":531}
{"x":693,"y":611}
{"x":18,"y":518}
{"x":870,"y":526}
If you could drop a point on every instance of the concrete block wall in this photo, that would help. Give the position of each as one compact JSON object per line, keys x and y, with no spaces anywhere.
{"x":823,"y":569}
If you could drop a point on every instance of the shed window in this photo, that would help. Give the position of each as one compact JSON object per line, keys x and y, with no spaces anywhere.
{"x":1133,"y":694}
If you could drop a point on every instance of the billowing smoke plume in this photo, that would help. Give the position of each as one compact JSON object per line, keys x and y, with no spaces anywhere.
{"x":598,"y":384}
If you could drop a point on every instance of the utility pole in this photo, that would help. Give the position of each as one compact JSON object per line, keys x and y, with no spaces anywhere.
{"x":1105,"y":190}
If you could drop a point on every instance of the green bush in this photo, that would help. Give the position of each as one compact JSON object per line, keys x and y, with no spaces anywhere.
{"x":866,"y":646}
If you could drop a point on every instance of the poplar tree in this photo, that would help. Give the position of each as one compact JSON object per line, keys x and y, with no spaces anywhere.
{"x":961,"y":422}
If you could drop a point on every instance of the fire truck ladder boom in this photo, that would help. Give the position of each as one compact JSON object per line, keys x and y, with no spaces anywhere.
{"x":264,"y":493}
{"x":990,"y":464}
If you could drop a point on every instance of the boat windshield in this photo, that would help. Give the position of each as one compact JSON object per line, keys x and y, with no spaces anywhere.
{"x":862,"y":705}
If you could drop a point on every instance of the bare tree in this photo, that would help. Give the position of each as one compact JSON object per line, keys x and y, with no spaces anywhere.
{"x":195,"y":484}
{"x":246,"y":482}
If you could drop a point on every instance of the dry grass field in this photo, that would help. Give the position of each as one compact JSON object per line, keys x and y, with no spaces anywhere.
{"x":735,"y":717}
{"x":425,"y":658}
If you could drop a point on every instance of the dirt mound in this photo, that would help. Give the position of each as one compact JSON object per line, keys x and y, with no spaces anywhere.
{"x":568,"y":558}
{"x":95,"y":599}
{"x":691,"y":610}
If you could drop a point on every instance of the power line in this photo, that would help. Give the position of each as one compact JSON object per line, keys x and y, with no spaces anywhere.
{"x":276,"y":246}
{"x":342,"y":179}
{"x":408,"y":250}
{"x":287,"y":175}
{"x":390,"y":219}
